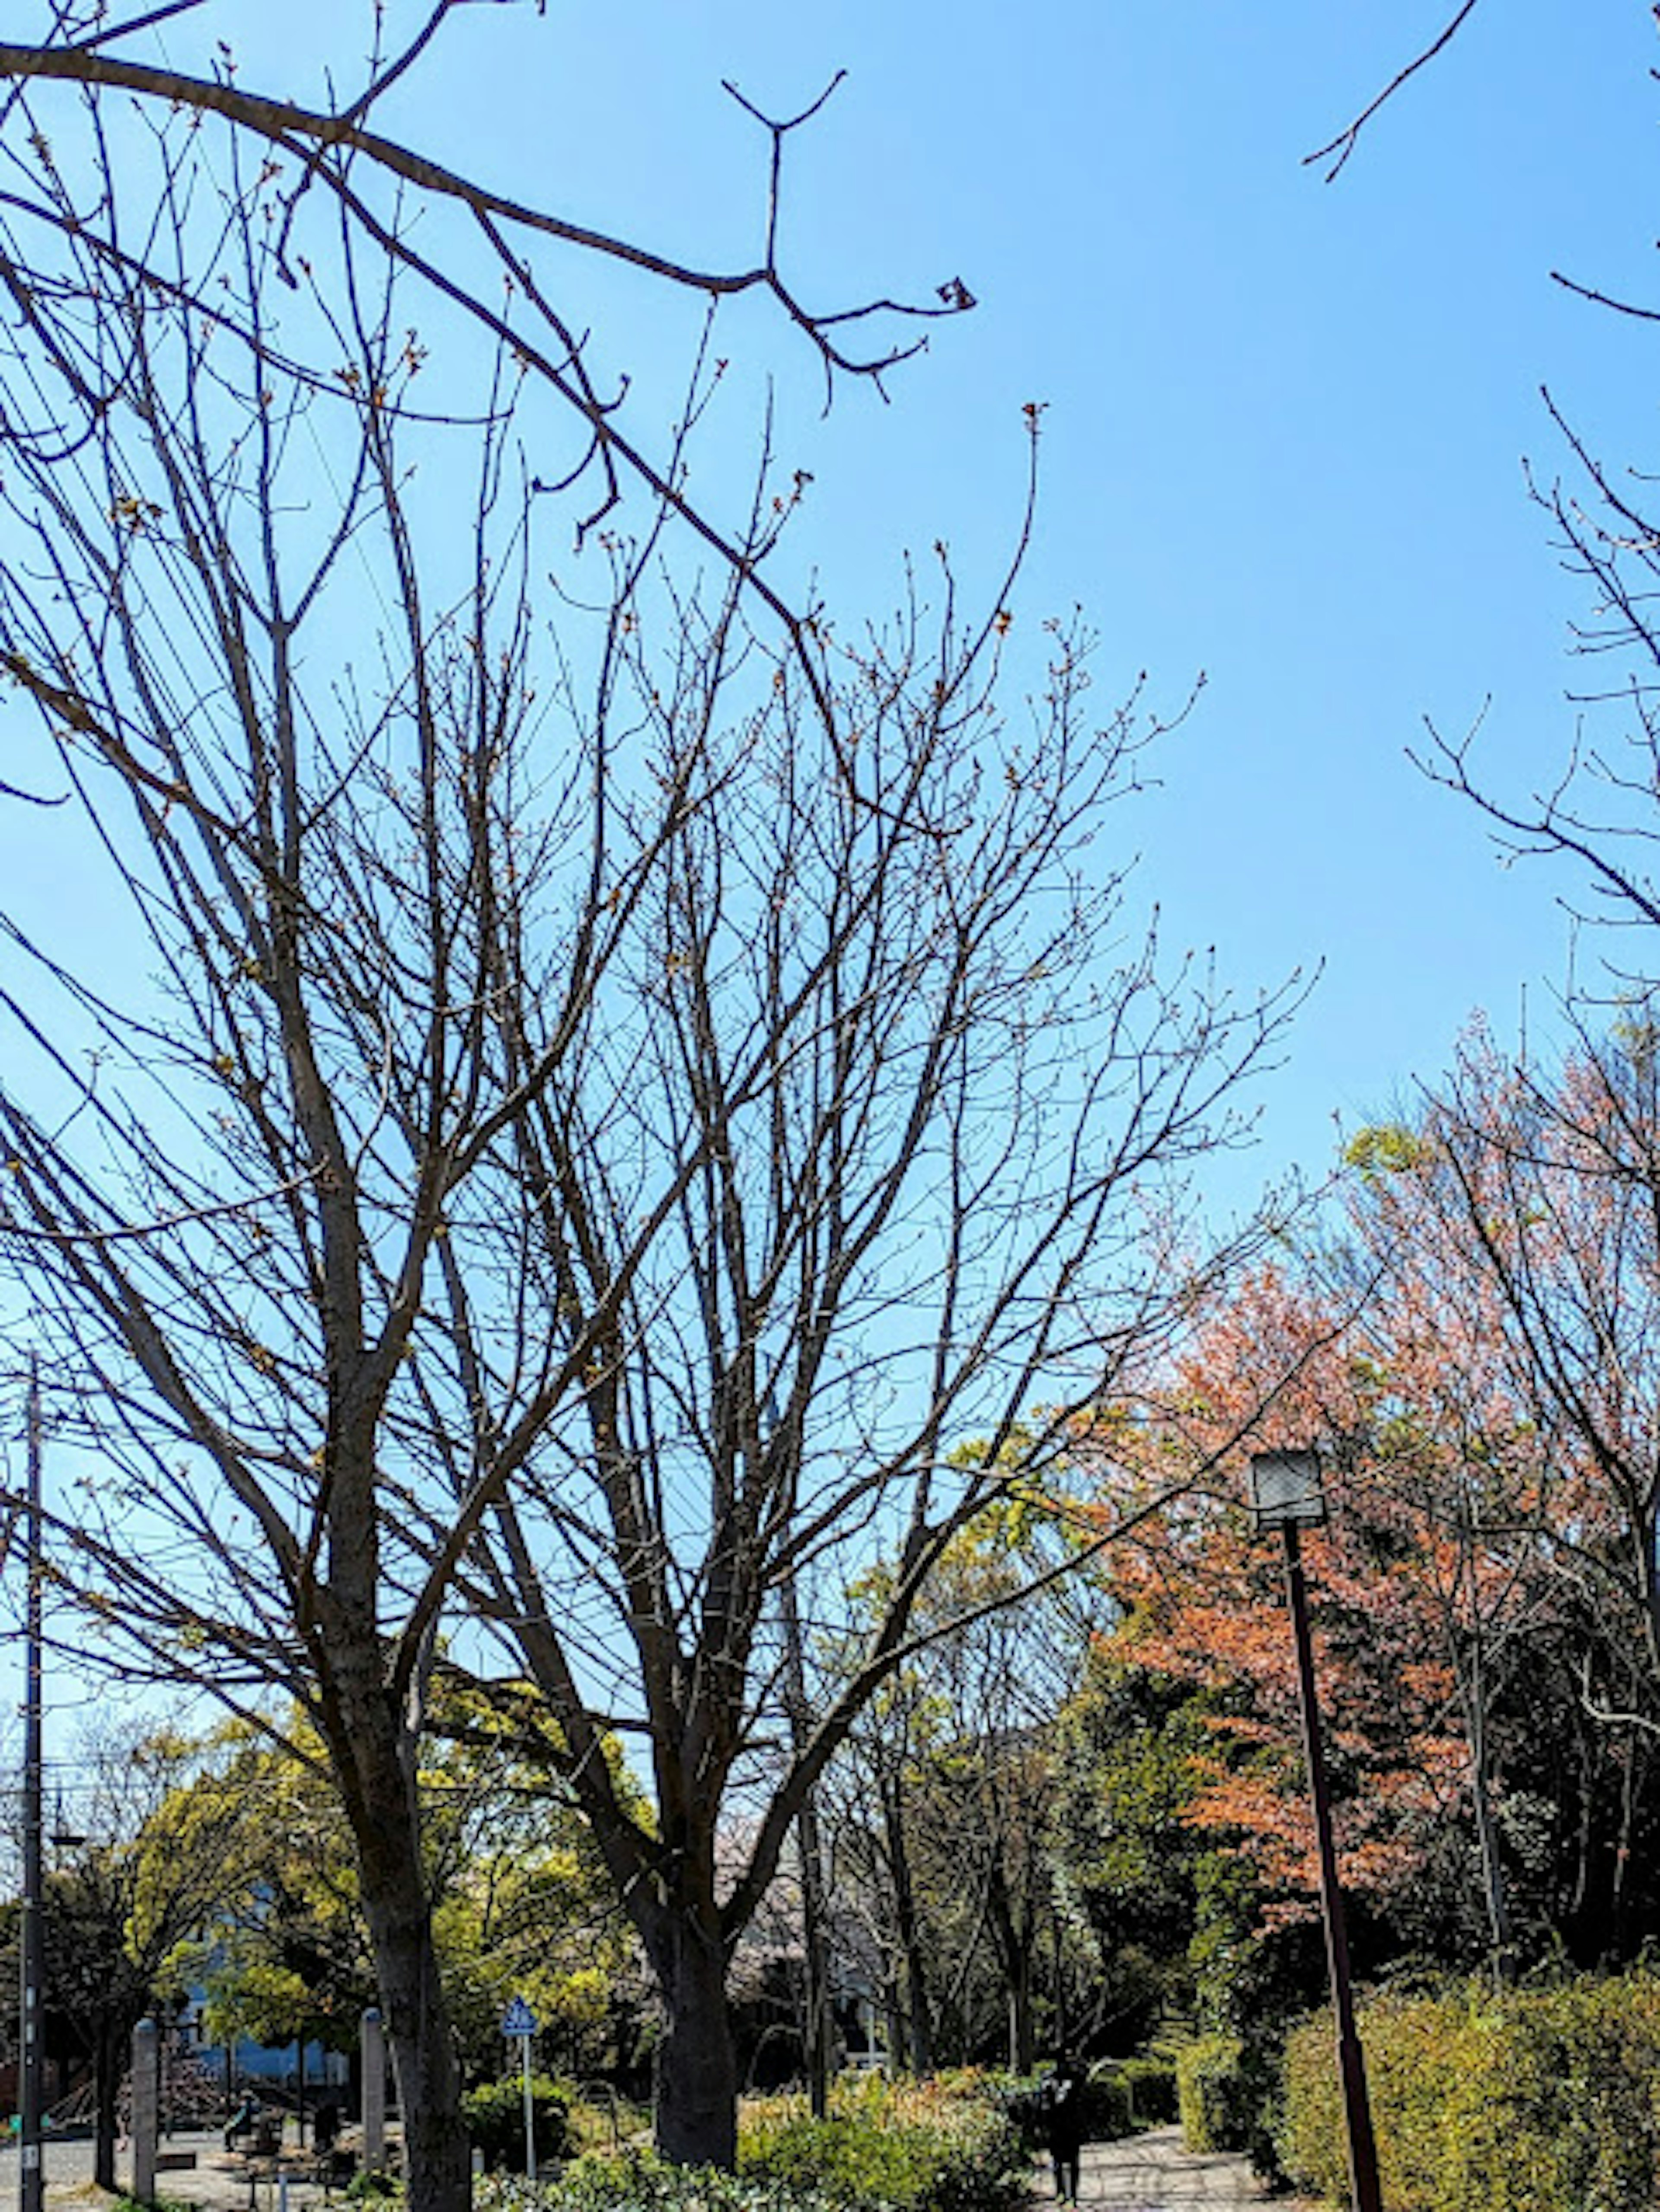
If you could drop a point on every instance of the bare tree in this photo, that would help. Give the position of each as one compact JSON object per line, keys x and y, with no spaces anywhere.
{"x":944,"y":1799}
{"x":296,"y":710}
{"x":900,"y":1107}
{"x":600,"y":1081}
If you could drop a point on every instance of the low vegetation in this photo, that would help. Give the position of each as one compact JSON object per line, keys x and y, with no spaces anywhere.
{"x":1535,"y":2101}
{"x":945,"y":2145}
{"x":494,"y":2114}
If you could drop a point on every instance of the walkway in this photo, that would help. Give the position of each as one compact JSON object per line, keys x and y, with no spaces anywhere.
{"x":1152,"y":2172}
{"x":217,"y":2182}
{"x":1144,"y":2173}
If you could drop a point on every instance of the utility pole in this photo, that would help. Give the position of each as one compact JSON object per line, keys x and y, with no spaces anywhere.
{"x":30,"y":2192}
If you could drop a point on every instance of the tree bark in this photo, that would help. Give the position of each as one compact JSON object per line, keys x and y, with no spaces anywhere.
{"x":437,"y":2169}
{"x":696,"y":2085}
{"x":373,"y":1751}
{"x":1014,"y":1946}
{"x":919,"y":2016}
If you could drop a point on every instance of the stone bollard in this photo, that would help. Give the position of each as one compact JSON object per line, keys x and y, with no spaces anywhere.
{"x":374,"y":2048}
{"x":146,"y":2109}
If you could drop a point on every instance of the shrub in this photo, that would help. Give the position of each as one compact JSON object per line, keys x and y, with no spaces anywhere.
{"x":1025,"y":2106}
{"x":1537,"y":2101}
{"x":947,"y":2145}
{"x":1228,"y":2093}
{"x":1151,"y":2083}
{"x":640,"y":2182}
{"x":494,"y":2115}
{"x":372,"y":2188}
{"x":1211,"y":2094}
{"x":1108,"y":2110}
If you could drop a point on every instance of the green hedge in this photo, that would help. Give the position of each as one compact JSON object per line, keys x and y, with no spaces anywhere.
{"x":1150,"y":2085}
{"x":945,"y":2145}
{"x":496,"y":2121}
{"x":1228,"y":2099}
{"x":1537,"y":2101}
{"x":1108,"y":2110}
{"x":1213,"y":2092}
{"x":639,"y":2183}
{"x":886,"y":2145}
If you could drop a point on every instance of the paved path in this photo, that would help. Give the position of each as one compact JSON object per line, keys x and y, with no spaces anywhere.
{"x":1152,"y":2172}
{"x":217,"y":2182}
{"x":1143,"y":2173}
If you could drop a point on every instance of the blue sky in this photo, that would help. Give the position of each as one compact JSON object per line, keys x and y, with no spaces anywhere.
{"x":1286,"y":420}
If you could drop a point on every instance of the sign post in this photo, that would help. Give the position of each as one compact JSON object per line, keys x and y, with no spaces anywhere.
{"x":519,"y":2023}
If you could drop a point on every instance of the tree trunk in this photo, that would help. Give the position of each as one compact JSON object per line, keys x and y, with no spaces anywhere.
{"x":696,"y":2099}
{"x":1471,"y":1674}
{"x":437,"y":2166}
{"x":368,"y":1748}
{"x":919,"y":2012}
{"x":1013,"y":1944}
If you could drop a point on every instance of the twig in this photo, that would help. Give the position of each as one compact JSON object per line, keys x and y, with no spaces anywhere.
{"x":1348,"y":139}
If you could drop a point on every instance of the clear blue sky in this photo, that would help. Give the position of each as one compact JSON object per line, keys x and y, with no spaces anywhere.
{"x":1286,"y":419}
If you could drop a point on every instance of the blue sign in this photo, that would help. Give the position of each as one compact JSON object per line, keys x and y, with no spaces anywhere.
{"x":518,"y":2019}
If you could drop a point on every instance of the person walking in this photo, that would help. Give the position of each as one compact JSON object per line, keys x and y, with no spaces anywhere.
{"x":1063,"y":2114}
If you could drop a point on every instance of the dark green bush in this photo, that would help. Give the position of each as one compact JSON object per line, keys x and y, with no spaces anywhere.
{"x":494,"y":2115}
{"x":1023,"y":2099}
{"x":1151,"y":2083}
{"x":1108,"y":2110}
{"x":1537,"y":2100}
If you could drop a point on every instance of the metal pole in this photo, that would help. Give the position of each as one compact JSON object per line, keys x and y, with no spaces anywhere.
{"x":1363,"y":2148}
{"x":530,"y":2112}
{"x":30,"y":2190}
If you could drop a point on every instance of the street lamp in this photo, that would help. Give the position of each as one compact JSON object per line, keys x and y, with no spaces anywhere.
{"x":1287,"y":1493}
{"x":31,"y":2115}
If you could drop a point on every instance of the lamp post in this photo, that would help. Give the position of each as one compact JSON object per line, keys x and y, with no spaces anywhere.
{"x":1287,"y":1493}
{"x":31,"y":2179}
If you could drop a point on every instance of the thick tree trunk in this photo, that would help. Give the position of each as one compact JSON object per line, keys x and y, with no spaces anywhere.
{"x":696,"y":2100}
{"x":373,"y":1756}
{"x":436,"y":2166}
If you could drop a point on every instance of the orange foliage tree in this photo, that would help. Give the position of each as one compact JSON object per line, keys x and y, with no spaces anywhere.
{"x":1412,"y":1578}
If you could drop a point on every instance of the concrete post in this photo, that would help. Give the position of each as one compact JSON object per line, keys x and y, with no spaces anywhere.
{"x":374,"y":2047}
{"x":146,"y":2109}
